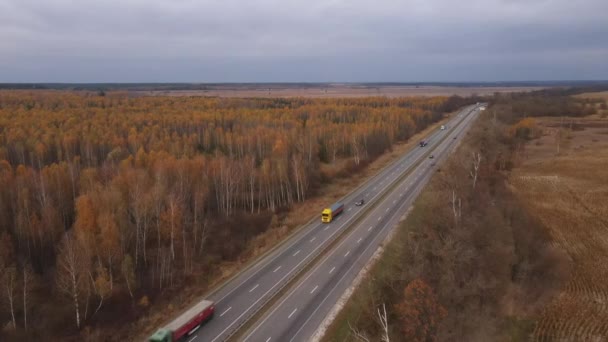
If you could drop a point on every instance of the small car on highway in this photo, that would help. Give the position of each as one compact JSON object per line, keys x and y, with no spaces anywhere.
{"x":431,"y":156}
{"x":360,"y":203}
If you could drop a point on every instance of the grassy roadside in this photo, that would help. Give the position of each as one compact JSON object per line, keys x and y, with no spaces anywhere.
{"x":470,"y":262}
{"x":284,"y":226}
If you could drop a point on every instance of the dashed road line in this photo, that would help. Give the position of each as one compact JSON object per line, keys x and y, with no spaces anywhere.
{"x":291,"y":314}
{"x":223,"y":313}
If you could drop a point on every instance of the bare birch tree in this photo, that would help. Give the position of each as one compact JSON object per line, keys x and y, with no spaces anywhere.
{"x":474,"y":172}
{"x":9,"y":280}
{"x":70,"y":277}
{"x":382,"y":316}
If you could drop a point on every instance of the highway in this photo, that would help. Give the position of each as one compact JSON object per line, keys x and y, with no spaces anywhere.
{"x":299,"y":313}
{"x":241,"y":297}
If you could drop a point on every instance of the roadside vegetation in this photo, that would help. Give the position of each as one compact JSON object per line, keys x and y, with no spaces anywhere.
{"x":476,"y":260}
{"x":115,"y":209}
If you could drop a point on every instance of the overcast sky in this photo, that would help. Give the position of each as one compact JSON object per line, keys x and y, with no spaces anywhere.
{"x":306,"y":40}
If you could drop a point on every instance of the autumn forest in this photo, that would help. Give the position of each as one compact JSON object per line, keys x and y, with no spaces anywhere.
{"x":108,"y":197}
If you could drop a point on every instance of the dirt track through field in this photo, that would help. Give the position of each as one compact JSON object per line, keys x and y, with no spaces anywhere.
{"x":568,"y":193}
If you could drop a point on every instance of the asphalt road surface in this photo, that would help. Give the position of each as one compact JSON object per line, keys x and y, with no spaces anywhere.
{"x":301,"y":311}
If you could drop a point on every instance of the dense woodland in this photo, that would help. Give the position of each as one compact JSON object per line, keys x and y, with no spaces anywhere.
{"x":470,"y":263}
{"x":107,"y":196}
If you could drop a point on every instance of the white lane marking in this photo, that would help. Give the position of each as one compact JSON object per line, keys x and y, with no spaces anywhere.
{"x":347,"y":253}
{"x":387,"y":209}
{"x":276,"y":269}
{"x":291,"y":314}
{"x":315,"y":289}
{"x":379,"y":218}
{"x":394,"y":202}
{"x":268,"y":339}
{"x":375,"y":187}
{"x":255,"y":287}
{"x":223,"y":313}
{"x":296,"y":253}
{"x":313,"y":239}
{"x":349,"y":209}
{"x":359,"y":240}
{"x":326,"y":228}
{"x":332,"y":269}
{"x":369,"y":229}
{"x":193,"y":338}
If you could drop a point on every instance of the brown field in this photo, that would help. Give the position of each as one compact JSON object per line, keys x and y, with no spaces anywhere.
{"x":334,"y":90}
{"x":568,"y":192}
{"x":597,"y":95}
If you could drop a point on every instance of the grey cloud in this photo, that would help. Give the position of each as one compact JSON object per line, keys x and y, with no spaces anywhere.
{"x":314,"y":40}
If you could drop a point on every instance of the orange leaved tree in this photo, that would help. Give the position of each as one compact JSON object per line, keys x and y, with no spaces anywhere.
{"x":420,"y":312}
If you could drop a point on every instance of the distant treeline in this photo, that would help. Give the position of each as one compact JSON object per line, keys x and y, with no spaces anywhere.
{"x":588,"y":85}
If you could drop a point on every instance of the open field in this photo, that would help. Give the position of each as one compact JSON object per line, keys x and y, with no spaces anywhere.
{"x":568,"y":192}
{"x":335,"y":90}
{"x":596,"y":95}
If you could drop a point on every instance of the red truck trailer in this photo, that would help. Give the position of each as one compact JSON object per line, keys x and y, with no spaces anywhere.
{"x":185,"y":324}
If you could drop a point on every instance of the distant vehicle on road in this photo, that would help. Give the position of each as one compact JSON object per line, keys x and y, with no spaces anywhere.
{"x":328,"y":214}
{"x":423,"y":143}
{"x":186,"y":324}
{"x":360,"y":203}
{"x":431,"y":156}
{"x":442,"y":127}
{"x":455,"y":137}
